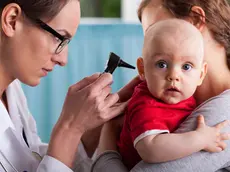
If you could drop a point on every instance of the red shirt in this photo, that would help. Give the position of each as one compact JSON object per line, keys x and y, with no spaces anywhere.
{"x":145,"y":115}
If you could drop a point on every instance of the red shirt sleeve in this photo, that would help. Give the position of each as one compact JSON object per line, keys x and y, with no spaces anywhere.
{"x":147,"y":118}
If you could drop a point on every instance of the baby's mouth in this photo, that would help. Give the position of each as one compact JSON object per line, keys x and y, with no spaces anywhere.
{"x":173,"y":89}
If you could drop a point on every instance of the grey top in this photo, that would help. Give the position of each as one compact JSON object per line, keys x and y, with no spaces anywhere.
{"x":214,"y":110}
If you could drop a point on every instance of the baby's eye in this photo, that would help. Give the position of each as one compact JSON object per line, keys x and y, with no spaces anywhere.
{"x":187,"y":67}
{"x":162,"y":64}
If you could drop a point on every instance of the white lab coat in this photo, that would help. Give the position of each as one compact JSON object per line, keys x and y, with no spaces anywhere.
{"x":15,"y":155}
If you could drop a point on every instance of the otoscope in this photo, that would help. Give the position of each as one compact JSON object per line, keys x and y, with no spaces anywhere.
{"x":114,"y":62}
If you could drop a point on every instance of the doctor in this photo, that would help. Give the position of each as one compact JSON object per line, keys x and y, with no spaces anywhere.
{"x":34,"y":38}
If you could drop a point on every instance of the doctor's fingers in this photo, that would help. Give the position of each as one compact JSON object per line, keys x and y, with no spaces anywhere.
{"x":95,"y":89}
{"x":116,"y":110}
{"x":105,"y":92}
{"x":84,"y":82}
{"x":105,"y":79}
{"x":109,"y":101}
{"x":111,"y":108}
{"x":96,"y":98}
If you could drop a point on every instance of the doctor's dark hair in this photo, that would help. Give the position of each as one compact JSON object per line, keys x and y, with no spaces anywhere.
{"x":41,"y":9}
{"x":217,"y":15}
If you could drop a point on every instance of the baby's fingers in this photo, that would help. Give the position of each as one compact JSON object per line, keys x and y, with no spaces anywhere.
{"x":222,"y":145}
{"x":222,"y":124}
{"x":200,"y":121}
{"x":225,"y":136}
{"x":216,"y":150}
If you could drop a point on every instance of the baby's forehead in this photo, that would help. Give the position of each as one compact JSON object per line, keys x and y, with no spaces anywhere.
{"x":172,"y":26}
{"x":183,"y":31}
{"x":173,"y":33}
{"x":179,"y":38}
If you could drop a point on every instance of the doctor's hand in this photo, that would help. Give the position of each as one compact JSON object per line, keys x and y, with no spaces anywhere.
{"x":89,"y":103}
{"x":90,"y":138}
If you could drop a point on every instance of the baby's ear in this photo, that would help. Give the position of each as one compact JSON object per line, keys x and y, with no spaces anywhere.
{"x":203,"y":73}
{"x":140,"y":68}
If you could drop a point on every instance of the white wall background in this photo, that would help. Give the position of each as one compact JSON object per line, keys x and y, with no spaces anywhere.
{"x":129,"y":10}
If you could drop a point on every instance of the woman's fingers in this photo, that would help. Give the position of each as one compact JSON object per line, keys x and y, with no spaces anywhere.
{"x":106,"y":92}
{"x":89,"y":103}
{"x":110,"y":100}
{"x":85,"y":82}
{"x":96,"y":82}
{"x":222,"y":124}
{"x":111,"y":106}
{"x":117,"y":109}
{"x":103,"y":81}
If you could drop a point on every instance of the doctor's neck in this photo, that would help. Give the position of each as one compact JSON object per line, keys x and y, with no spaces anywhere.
{"x":5,"y":78}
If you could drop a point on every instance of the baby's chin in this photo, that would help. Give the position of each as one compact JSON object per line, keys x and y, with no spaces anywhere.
{"x":171,"y":100}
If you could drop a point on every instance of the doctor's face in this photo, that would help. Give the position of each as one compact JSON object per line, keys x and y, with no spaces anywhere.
{"x":32,"y":51}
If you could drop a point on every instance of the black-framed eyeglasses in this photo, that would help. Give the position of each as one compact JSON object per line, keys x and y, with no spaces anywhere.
{"x":64,"y":40}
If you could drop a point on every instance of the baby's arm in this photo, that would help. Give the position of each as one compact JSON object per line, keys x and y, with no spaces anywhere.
{"x":166,"y":147}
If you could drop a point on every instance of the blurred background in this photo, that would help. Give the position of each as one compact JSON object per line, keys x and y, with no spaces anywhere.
{"x":106,"y":26}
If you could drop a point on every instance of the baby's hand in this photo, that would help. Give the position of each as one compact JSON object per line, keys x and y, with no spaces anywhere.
{"x":212,"y":136}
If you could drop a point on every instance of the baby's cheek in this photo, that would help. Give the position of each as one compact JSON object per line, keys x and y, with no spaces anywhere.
{"x":190,"y":90}
{"x":155,"y":91}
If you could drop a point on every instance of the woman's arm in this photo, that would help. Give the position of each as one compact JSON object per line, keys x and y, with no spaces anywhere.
{"x":90,"y":139}
{"x":88,"y":104}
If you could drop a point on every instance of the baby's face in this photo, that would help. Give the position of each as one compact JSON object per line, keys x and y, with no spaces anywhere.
{"x":173,"y":67}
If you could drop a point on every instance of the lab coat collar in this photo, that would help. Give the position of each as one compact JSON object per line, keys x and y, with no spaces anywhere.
{"x":11,"y":119}
{"x":5,"y":122}
{"x":13,"y":146}
{"x":13,"y":108}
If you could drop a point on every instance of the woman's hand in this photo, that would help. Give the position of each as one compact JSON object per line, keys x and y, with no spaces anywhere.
{"x":89,"y":103}
{"x":212,"y":137}
{"x":111,"y":130}
{"x":91,"y":137}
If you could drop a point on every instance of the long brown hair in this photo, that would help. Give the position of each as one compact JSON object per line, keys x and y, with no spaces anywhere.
{"x":217,"y":16}
{"x":46,"y":9}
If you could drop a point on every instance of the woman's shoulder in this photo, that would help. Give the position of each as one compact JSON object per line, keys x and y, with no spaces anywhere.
{"x":218,"y":106}
{"x":214,"y":110}
{"x":224,"y":94}
{"x":222,"y":99}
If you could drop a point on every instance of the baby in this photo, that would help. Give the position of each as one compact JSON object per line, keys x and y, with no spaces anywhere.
{"x":171,"y":69}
